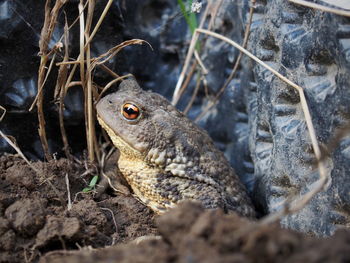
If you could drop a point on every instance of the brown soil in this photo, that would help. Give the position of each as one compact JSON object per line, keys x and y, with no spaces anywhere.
{"x":34,"y":215}
{"x":36,"y":225}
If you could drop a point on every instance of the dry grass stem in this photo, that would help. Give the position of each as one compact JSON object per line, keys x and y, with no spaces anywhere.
{"x":41,"y":117}
{"x":200,"y":63}
{"x":46,"y":34}
{"x":60,"y":87}
{"x":43,"y":84}
{"x":67,"y":63}
{"x":187,"y":80}
{"x":179,"y":89}
{"x":91,"y":114}
{"x":96,"y":61}
{"x":321,"y":7}
{"x":73,"y":62}
{"x":17,"y":149}
{"x":86,"y":65}
{"x":213,"y":9}
{"x":69,"y":206}
{"x":193,"y":97}
{"x":235,"y":67}
{"x":88,"y":89}
{"x":99,"y":22}
{"x":214,"y":13}
{"x":113,"y":218}
{"x":89,"y":17}
{"x":81,"y":43}
{"x":3,"y":113}
{"x":81,"y":58}
{"x":70,"y":77}
{"x":298,"y":203}
{"x":111,"y":83}
{"x":109,"y":71}
{"x":49,"y":24}
{"x":73,"y":84}
{"x":176,"y":95}
{"x":113,"y":51}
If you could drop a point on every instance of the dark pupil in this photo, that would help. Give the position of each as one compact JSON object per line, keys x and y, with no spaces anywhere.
{"x":130,"y":111}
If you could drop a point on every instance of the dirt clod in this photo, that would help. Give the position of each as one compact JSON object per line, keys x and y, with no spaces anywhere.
{"x":21,"y":175}
{"x":27,"y":216}
{"x":57,"y":228}
{"x":191,"y":234}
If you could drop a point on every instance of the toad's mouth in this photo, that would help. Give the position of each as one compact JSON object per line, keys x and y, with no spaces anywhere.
{"x":123,"y":145}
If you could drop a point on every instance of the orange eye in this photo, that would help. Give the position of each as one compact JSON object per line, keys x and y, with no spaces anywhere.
{"x":130,"y":111}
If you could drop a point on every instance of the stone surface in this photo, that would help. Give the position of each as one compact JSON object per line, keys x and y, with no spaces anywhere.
{"x":310,"y":48}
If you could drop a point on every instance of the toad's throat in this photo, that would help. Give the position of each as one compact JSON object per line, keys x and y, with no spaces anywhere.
{"x":123,"y":146}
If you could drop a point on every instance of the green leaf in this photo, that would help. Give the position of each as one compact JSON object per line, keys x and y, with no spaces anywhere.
{"x":191,"y":19}
{"x":86,"y":189}
{"x":92,"y":184}
{"x":93,"y":181}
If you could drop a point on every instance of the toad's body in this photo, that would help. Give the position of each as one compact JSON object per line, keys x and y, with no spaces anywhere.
{"x":164,"y":156}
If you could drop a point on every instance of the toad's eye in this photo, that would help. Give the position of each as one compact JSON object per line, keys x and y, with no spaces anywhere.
{"x":130,"y":111}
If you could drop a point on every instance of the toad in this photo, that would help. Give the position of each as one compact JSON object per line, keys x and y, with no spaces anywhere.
{"x":164,"y":156}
